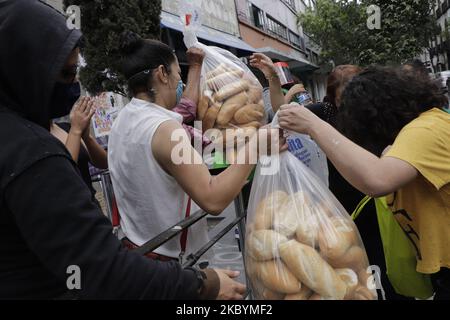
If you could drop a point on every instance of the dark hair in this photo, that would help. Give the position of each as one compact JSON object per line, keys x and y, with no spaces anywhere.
{"x":418,"y":67}
{"x":260,"y":76}
{"x":140,"y":55}
{"x":380,"y":101}
{"x":338,"y":79}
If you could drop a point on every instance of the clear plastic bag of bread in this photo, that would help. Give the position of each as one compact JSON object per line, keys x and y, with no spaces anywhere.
{"x":301,"y":244}
{"x":230,"y":94}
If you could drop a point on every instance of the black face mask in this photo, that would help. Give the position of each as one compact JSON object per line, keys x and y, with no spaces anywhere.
{"x":64,"y":97}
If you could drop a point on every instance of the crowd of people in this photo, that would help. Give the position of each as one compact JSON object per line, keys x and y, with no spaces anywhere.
{"x":384,"y":131}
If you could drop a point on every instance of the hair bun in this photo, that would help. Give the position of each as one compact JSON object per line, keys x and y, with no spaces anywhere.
{"x":130,"y":42}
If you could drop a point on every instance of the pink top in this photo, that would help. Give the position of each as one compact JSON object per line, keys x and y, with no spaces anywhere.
{"x":188,"y":110}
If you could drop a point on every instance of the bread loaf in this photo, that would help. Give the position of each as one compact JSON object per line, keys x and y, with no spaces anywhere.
{"x":230,"y":90}
{"x":315,"y":296}
{"x":351,"y":280}
{"x":355,"y":258}
{"x":366,"y":279}
{"x":263,"y":244}
{"x":286,"y":221}
{"x":251,"y":125}
{"x":308,"y":226}
{"x":268,"y":294}
{"x":249,"y":113}
{"x":266,"y":209}
{"x":362,"y":293}
{"x":254,"y":94}
{"x":304,"y":294}
{"x":313,"y":271}
{"x":336,"y":237}
{"x":260,"y":292}
{"x":202,"y":107}
{"x":210,"y":117}
{"x":229,"y":108}
{"x":221,"y":68}
{"x":223,"y":79}
{"x":275,"y":276}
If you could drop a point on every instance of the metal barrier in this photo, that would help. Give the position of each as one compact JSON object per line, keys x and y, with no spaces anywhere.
{"x":106,"y":185}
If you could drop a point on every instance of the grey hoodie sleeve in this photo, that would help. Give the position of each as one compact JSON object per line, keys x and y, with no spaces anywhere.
{"x":62,"y":226}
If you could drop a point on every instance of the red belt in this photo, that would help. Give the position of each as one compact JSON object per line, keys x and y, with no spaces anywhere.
{"x":155,"y":256}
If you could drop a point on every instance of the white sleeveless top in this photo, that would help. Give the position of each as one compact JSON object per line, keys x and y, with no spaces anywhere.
{"x":149,"y":200}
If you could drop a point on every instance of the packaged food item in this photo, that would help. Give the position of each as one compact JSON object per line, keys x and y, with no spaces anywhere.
{"x":230,"y":94}
{"x":301,"y":243}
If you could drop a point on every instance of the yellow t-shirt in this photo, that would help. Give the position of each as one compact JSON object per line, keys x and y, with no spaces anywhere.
{"x":422,"y":207}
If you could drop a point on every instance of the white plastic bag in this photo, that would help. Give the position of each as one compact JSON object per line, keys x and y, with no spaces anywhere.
{"x":231,"y":95}
{"x":301,"y":244}
{"x":307,"y":151}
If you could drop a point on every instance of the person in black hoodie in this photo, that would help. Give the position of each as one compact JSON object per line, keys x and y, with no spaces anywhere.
{"x":48,"y":221}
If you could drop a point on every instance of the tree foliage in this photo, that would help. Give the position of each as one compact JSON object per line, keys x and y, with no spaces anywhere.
{"x":340,"y":28}
{"x":102,"y":23}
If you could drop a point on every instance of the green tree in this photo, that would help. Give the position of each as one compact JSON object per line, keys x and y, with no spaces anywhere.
{"x":340,"y":28}
{"x":102,"y":23}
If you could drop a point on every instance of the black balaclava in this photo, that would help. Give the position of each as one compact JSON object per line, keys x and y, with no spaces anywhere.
{"x":35,"y":42}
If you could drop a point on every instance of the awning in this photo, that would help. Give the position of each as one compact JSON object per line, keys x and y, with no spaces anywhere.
{"x":174,"y":22}
{"x":294,"y":59}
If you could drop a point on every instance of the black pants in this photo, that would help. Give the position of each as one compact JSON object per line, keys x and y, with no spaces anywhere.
{"x":441,"y":284}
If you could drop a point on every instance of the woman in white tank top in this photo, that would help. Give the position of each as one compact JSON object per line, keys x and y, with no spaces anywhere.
{"x":150,"y":188}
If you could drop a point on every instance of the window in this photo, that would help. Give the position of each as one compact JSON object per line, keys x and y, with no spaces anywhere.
{"x":277,"y":29}
{"x":257,"y":16}
{"x":289,"y":3}
{"x":296,"y":40}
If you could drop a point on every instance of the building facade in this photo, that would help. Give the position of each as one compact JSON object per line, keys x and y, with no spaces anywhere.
{"x":437,"y":55}
{"x":217,"y":20}
{"x":271,"y":27}
{"x":246,"y":26}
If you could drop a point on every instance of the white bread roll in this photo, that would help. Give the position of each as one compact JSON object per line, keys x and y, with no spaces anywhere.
{"x":304,"y":294}
{"x":336,"y":236}
{"x":202,"y":107}
{"x":260,"y":292}
{"x":308,"y":227}
{"x":365,"y":278}
{"x":249,"y":113}
{"x":268,"y":294}
{"x":314,"y":272}
{"x":253,"y":124}
{"x":221,"y":68}
{"x":290,"y":214}
{"x":362,"y":293}
{"x":263,"y":244}
{"x":315,"y":296}
{"x":223,"y":79}
{"x":231,"y":90}
{"x":250,"y":267}
{"x":211,"y":116}
{"x":351,"y":280}
{"x":266,"y":209}
{"x":355,"y":258}
{"x":275,"y":276}
{"x":254,"y":94}
{"x":229,"y":108}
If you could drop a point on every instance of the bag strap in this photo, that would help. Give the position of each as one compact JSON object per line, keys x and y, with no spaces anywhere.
{"x":115,"y":213}
{"x":360,"y":207}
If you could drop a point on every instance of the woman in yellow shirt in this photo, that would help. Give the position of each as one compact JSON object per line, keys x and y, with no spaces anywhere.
{"x":400,"y":148}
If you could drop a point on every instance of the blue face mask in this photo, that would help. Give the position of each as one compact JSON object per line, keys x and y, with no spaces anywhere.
{"x":180,"y":89}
